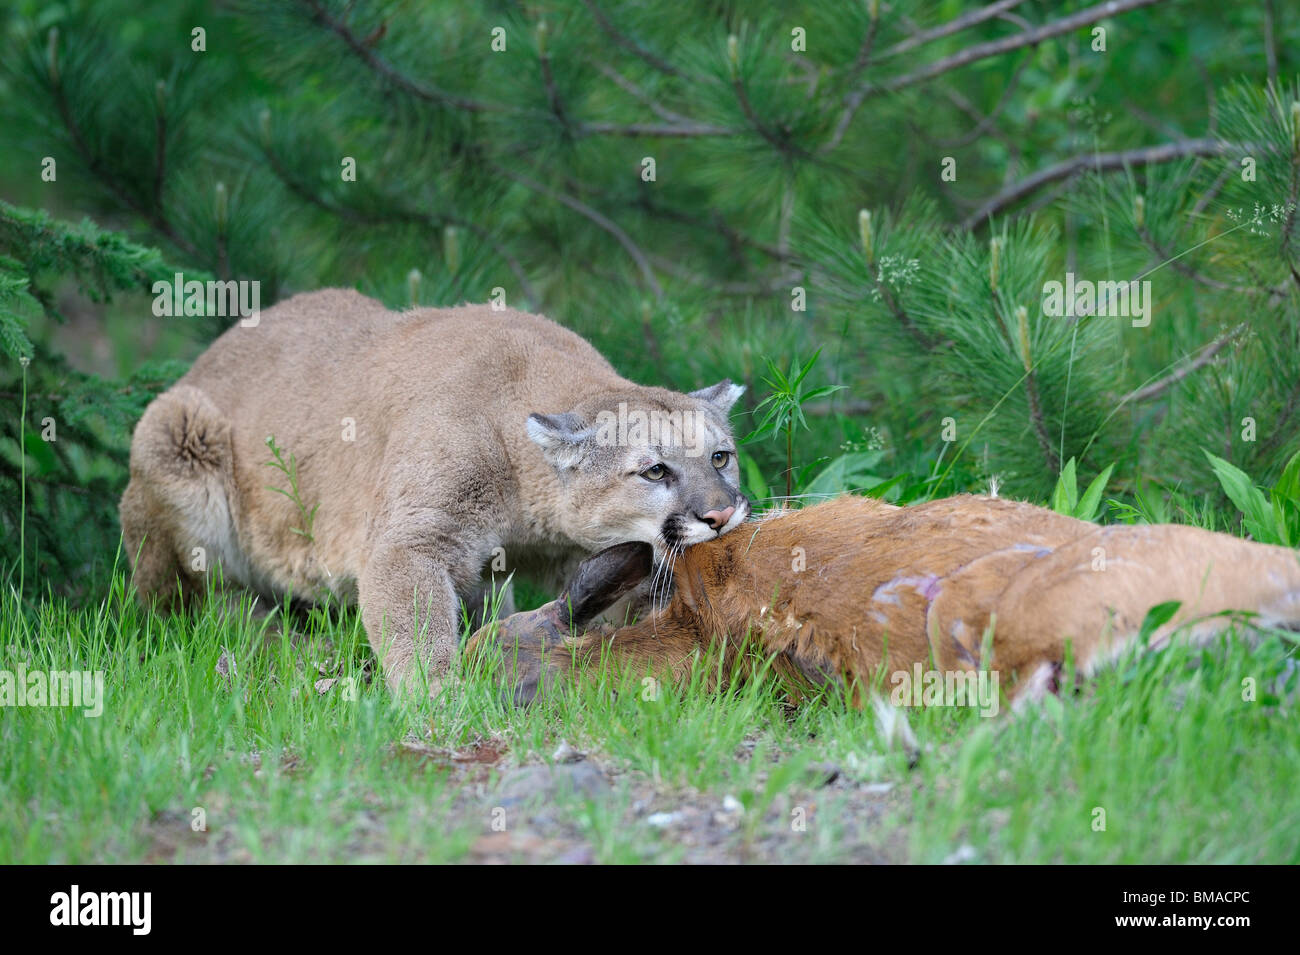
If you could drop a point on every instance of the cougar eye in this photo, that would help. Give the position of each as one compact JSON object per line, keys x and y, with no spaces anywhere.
{"x":720,"y":459}
{"x":656,"y":472}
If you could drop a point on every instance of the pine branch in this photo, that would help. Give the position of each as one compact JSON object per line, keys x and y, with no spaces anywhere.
{"x":1270,"y":44}
{"x":715,"y":222}
{"x":516,"y":267}
{"x":96,"y":167}
{"x":433,"y":223}
{"x":641,"y":95}
{"x":1182,"y":268}
{"x":675,"y":124}
{"x":780,"y":283}
{"x":1097,"y":162}
{"x":683,"y":130}
{"x":429,"y":93}
{"x":627,"y":43}
{"x":1040,"y":426}
{"x":1282,"y":430}
{"x":781,"y":143}
{"x":160,"y":152}
{"x":905,"y":320}
{"x":864,"y":51}
{"x":956,"y":25}
{"x":552,"y":92}
{"x":997,"y":47}
{"x":381,"y":67}
{"x":601,"y":221}
{"x":985,"y":123}
{"x":1203,"y":358}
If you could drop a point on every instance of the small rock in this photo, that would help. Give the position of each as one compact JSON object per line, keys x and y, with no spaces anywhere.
{"x":822,"y":774}
{"x":543,"y":783}
{"x":998,"y":818}
{"x":965,"y":853}
{"x":661,"y":820}
{"x":877,"y":789}
{"x":578,"y":855}
{"x":564,"y":753}
{"x":226,"y":666}
{"x":895,"y":731}
{"x":866,"y":767}
{"x":731,"y":804}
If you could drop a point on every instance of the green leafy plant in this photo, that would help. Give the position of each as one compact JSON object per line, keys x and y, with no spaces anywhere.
{"x":853,"y":471}
{"x":1067,"y":500}
{"x":1270,"y":519}
{"x":1157,"y":617}
{"x":755,"y":485}
{"x":782,"y":411}
{"x":290,"y":471}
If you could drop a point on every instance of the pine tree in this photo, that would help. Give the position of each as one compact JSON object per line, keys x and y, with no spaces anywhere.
{"x":62,"y":447}
{"x":703,"y":189}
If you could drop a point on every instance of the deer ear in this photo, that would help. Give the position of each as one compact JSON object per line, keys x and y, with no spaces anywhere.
{"x":722,"y":395}
{"x":603,"y":579}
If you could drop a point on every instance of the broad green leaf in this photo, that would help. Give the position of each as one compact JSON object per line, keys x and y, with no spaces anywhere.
{"x":848,"y":472}
{"x":1288,"y":485}
{"x":1066,"y":495}
{"x":1256,"y":513}
{"x":1157,"y":617}
{"x":882,"y":489}
{"x":755,"y":483}
{"x":1090,"y":503}
{"x":1278,"y":504}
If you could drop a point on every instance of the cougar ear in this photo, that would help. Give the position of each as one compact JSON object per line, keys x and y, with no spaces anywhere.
{"x":604,"y":578}
{"x":722,"y":395}
{"x":560,"y":436}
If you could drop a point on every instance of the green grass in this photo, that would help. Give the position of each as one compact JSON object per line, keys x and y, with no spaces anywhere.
{"x":1184,"y":768}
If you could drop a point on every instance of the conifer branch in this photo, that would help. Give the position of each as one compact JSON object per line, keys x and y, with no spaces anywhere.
{"x":985,"y":123}
{"x":781,"y":143}
{"x":96,"y":168}
{"x":433,"y":223}
{"x":955,"y":25}
{"x":627,"y":43}
{"x":664,"y":130}
{"x":641,"y":95}
{"x":1203,"y":358}
{"x":736,"y":239}
{"x":1030,"y":37}
{"x":1282,"y":430}
{"x":1182,"y":268}
{"x":1096,"y":162}
{"x":601,"y":221}
{"x":675,"y":124}
{"x":378,"y":65}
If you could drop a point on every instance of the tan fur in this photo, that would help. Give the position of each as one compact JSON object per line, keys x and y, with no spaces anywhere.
{"x":836,"y":591}
{"x":446,"y":467}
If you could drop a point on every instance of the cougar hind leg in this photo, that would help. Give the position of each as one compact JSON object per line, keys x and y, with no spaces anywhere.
{"x":176,"y":516}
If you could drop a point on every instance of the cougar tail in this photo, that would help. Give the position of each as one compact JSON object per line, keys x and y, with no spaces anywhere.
{"x":175,"y":512}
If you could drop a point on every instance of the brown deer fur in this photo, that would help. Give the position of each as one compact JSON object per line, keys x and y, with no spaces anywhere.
{"x":835,"y":591}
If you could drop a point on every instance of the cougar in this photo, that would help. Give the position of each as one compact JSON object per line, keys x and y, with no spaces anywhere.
{"x":423,"y":455}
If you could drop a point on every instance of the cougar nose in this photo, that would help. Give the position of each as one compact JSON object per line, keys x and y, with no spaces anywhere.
{"x":718,"y":519}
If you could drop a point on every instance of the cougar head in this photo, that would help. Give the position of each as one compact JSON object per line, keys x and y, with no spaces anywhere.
{"x":648,"y":465}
